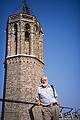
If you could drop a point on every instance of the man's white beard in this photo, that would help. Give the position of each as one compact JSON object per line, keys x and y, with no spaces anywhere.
{"x":44,"y":85}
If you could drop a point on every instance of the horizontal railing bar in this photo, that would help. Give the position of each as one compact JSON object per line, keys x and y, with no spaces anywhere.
{"x":15,"y":101}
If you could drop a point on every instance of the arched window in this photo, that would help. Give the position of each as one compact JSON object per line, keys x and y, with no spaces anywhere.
{"x":15,"y":41}
{"x":27,"y":38}
{"x":27,"y":26}
{"x":27,"y":35}
{"x":27,"y":31}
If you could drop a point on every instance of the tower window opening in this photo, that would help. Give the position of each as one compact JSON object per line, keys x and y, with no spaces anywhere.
{"x":27,"y":31}
{"x":15,"y":41}
{"x":27,"y":35}
{"x":27,"y":26}
{"x":27,"y":38}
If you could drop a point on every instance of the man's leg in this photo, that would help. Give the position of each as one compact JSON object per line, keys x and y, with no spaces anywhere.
{"x":55,"y":110}
{"x":46,"y":114}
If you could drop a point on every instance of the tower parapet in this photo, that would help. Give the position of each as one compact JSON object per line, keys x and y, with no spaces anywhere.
{"x":25,"y":36}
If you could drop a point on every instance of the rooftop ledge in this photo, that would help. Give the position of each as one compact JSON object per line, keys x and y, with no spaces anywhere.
{"x":24,"y":55}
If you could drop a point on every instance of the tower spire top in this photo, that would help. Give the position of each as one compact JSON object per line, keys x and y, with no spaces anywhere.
{"x":25,"y":7}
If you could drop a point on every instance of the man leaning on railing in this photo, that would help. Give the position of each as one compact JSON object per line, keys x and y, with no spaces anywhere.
{"x":46,"y":98}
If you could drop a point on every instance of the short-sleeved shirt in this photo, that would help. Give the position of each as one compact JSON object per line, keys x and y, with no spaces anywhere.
{"x":46,"y":95}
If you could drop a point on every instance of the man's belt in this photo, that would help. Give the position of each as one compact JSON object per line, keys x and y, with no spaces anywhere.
{"x":52,"y":104}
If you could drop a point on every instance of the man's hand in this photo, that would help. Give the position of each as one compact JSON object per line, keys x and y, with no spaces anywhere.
{"x":38,"y":102}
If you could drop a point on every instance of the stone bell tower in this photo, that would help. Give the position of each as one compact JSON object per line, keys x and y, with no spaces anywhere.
{"x":23,"y":64}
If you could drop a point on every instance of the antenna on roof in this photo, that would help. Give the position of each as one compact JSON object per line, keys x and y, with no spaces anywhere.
{"x":25,"y":7}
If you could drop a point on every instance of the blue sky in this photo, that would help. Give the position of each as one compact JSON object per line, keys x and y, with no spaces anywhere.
{"x":60,"y":20}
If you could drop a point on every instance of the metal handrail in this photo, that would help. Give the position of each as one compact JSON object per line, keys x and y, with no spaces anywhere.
{"x":66,"y":114}
{"x":65,"y":111}
{"x":68,"y":108}
{"x":16,"y":101}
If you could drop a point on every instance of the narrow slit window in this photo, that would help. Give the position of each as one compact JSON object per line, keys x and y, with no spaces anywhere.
{"x":15,"y":33}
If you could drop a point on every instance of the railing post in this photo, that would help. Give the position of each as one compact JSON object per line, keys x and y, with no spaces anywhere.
{"x":2,"y":111}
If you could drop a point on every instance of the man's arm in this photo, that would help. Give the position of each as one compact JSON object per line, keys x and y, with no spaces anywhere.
{"x":37,"y":98}
{"x":57,"y":97}
{"x":58,"y":101}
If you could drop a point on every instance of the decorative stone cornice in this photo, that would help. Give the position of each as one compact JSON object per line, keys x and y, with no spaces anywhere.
{"x":24,"y":55}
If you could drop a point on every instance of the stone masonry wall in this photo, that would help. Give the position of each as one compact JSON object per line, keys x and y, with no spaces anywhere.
{"x":23,"y":77}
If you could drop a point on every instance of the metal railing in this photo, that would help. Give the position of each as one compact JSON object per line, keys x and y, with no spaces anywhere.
{"x":66,"y":113}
